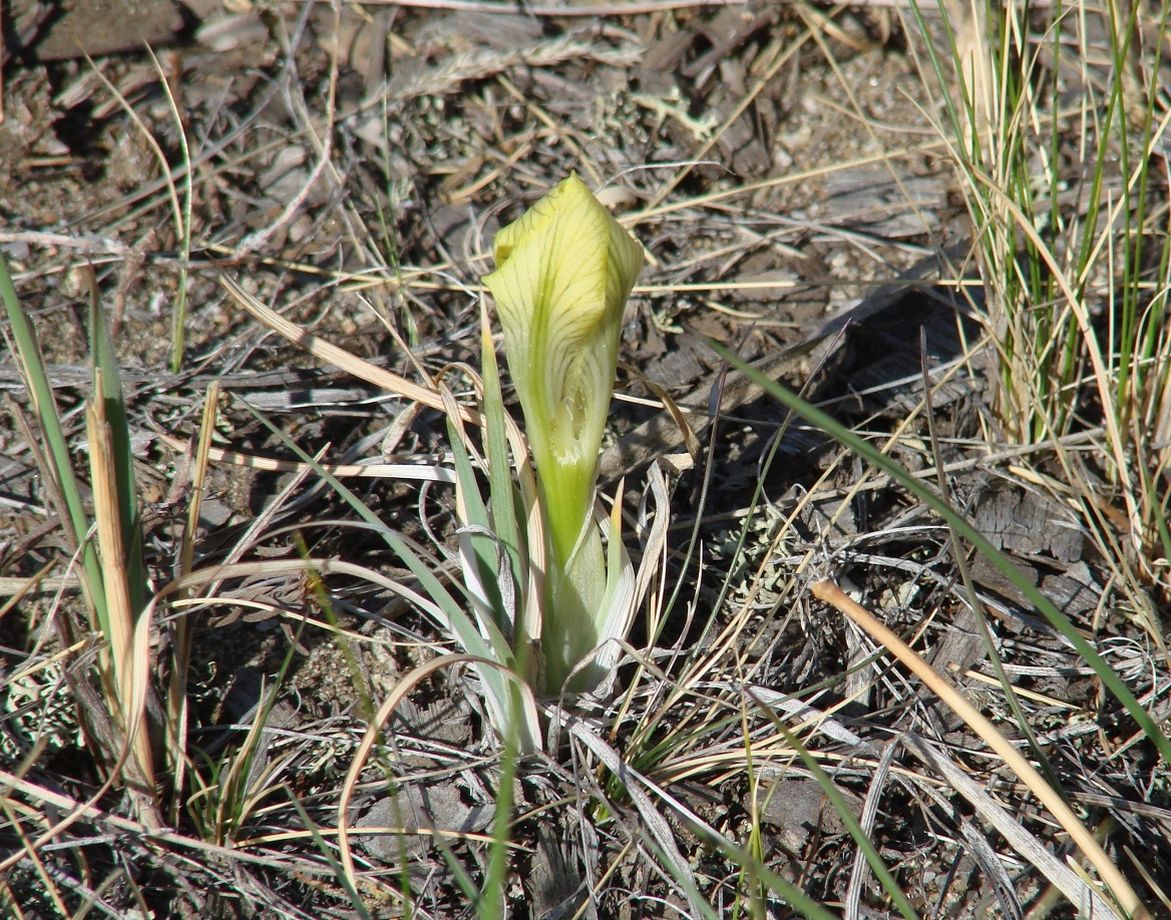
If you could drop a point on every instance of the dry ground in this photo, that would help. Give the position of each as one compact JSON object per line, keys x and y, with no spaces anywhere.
{"x":348,"y":167}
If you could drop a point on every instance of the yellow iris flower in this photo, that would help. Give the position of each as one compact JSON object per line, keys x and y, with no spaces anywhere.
{"x":563,"y":273}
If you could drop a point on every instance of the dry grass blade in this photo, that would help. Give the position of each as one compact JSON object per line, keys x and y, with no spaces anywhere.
{"x":659,"y":830}
{"x":858,"y":874}
{"x":7,"y":901}
{"x":270,"y":568}
{"x":363,"y":370}
{"x":89,"y":810}
{"x":74,"y":811}
{"x":126,"y":664}
{"x":409,"y":681}
{"x":338,"y":357}
{"x":1070,"y":883}
{"x":177,"y":699}
{"x":1113,"y":879}
{"x":428,"y":473}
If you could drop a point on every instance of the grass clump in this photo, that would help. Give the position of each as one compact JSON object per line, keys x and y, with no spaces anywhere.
{"x":1055,"y":127}
{"x":113,"y":710}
